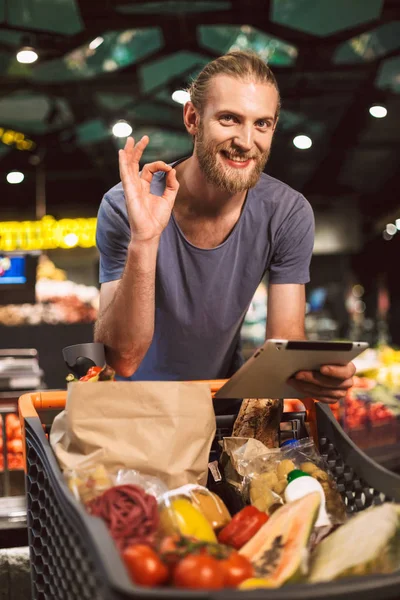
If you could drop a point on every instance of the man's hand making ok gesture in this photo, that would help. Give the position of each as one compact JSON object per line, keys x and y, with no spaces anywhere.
{"x":148,"y":214}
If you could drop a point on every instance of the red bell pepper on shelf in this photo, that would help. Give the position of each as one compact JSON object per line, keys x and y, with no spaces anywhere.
{"x":242,"y":527}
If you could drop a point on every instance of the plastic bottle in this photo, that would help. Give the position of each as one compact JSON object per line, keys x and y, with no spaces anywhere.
{"x":300,"y":484}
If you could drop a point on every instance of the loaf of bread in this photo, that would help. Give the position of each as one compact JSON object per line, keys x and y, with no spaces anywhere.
{"x":259,"y":418}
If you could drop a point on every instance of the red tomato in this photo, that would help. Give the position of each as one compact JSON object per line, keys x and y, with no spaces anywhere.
{"x":236,"y":568}
{"x":145,"y":566}
{"x":14,"y":446}
{"x":199,"y":571}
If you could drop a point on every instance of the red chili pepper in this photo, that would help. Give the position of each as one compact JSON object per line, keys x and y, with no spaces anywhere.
{"x":242,"y":527}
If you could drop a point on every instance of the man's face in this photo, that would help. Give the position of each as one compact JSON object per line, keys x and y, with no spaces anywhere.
{"x":235,"y":132}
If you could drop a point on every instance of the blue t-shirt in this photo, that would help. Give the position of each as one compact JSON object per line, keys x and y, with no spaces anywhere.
{"x":202,"y":295}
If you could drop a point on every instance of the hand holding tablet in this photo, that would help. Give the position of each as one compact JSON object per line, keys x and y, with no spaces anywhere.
{"x":295,"y":369}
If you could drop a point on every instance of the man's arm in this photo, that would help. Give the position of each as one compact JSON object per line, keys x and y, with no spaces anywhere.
{"x":126,"y":318}
{"x":286,"y":310}
{"x":127,"y":307}
{"x":285,"y":319}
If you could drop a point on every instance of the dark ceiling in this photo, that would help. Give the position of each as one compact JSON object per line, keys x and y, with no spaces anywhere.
{"x":333,"y":59}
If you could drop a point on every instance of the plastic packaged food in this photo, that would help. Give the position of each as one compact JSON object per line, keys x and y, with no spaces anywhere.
{"x":265,"y":477}
{"x":150,"y":484}
{"x":86,"y":484}
{"x":211,"y":505}
{"x":306,"y":457}
{"x":193,"y":510}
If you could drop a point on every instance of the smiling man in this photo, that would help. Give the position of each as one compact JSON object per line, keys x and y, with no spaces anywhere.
{"x":183,"y":247}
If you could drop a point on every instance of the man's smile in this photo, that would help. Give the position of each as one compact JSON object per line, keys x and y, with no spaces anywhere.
{"x":237,"y":162}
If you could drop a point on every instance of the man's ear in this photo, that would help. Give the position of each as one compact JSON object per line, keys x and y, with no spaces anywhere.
{"x":191,"y":118}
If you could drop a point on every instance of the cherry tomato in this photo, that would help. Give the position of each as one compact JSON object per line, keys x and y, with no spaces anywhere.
{"x":236,"y":568}
{"x":199,"y":571}
{"x":144,"y":565}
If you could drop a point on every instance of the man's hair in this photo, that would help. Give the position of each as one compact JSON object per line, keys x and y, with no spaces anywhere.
{"x":244,"y":65}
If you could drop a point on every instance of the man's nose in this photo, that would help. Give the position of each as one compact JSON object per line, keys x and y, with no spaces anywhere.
{"x":244,"y":139}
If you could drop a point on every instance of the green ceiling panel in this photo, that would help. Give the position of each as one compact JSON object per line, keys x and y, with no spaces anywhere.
{"x":160,"y":71}
{"x":91,"y":132}
{"x":111,"y":101}
{"x":10,"y":38}
{"x":173,"y":7}
{"x":223,"y":38}
{"x":118,"y":50}
{"x":324,"y":17}
{"x":389,"y":75}
{"x":370,"y":45}
{"x":27,"y":112}
{"x":156,"y":114}
{"x":5,"y":61}
{"x":59,"y":16}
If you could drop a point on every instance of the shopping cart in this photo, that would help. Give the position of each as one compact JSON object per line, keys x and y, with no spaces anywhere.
{"x":74,"y":558}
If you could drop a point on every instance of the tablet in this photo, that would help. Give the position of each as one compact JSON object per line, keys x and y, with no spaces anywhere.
{"x":265,"y":374}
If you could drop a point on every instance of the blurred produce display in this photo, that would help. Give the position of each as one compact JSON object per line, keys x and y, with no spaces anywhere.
{"x":14,"y":443}
{"x":375,"y":397}
{"x":58,"y":301}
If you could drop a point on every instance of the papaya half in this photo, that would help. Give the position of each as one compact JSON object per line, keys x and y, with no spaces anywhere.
{"x":278,"y":549}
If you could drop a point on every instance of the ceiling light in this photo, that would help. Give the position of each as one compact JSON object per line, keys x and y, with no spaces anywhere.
{"x":96,"y":43}
{"x":122,"y":129}
{"x":397,"y":222}
{"x":27,"y":55}
{"x":358,"y":290}
{"x":386,"y":236}
{"x":303,"y":142}
{"x":391,"y":228}
{"x":181,"y":96}
{"x":378,"y":111}
{"x":15,"y":177}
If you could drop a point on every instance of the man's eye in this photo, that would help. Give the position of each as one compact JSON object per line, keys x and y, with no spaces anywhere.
{"x":264,"y":124}
{"x":228,"y":118}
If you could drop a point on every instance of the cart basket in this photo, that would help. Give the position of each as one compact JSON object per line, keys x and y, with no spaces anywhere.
{"x":73,"y":556}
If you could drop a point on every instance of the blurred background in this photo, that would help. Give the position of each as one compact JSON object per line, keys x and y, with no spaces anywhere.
{"x":78,"y":76}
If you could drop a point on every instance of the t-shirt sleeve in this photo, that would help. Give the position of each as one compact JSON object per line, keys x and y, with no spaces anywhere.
{"x":294,"y":245}
{"x":112,"y":240}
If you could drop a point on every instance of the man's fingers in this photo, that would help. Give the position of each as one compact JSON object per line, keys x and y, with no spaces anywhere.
{"x":315,"y":391}
{"x":151,"y":168}
{"x":328,"y":382}
{"x":137,"y":151}
{"x":339,"y":371}
{"x":171,"y":186}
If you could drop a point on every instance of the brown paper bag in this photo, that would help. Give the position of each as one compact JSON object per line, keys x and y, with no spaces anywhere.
{"x":158,"y":428}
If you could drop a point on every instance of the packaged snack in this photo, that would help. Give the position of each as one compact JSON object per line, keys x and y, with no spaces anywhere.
{"x":265,"y":477}
{"x":193,"y":511}
{"x":86,"y":484}
{"x":304,"y":454}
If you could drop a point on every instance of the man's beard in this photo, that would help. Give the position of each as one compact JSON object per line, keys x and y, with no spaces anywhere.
{"x":229,"y":179}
